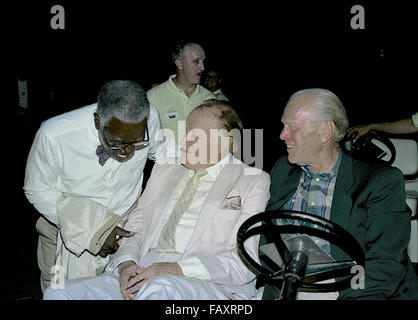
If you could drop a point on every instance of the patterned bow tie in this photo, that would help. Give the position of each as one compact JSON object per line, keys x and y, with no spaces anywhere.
{"x":102,"y":154}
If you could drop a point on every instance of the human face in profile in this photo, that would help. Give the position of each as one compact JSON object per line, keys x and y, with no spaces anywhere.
{"x":301,"y":136}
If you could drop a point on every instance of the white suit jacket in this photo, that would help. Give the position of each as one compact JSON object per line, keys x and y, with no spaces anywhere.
{"x":214,"y":238}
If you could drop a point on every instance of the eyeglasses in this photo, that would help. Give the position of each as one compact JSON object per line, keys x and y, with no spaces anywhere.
{"x":136,"y":145}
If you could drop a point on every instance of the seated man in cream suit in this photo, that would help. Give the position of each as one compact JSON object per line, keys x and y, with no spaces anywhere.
{"x":186,"y":223}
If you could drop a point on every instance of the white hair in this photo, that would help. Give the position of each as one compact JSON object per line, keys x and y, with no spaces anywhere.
{"x":327,"y":107}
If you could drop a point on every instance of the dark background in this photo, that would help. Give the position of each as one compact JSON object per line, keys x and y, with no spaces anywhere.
{"x":266,"y":51}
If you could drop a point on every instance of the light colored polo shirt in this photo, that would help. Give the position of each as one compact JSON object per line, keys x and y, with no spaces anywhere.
{"x":174,"y":105}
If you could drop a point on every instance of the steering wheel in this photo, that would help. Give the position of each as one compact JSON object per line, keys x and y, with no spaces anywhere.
{"x":364,"y":148}
{"x":321,"y":228}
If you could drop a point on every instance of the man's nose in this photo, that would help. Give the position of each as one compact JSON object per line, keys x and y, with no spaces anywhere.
{"x":284,"y":133}
{"x":127,"y":150}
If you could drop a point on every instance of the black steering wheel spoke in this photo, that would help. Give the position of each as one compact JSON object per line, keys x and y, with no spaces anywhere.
{"x":270,"y":263}
{"x":278,"y":242}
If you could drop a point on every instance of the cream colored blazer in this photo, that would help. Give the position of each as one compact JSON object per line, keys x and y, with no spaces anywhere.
{"x":214,"y":239}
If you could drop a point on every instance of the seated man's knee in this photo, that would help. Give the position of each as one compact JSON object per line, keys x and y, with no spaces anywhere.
{"x":162,"y":287}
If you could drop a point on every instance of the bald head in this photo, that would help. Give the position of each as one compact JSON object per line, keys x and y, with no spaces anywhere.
{"x":223,"y":112}
{"x":209,"y":136}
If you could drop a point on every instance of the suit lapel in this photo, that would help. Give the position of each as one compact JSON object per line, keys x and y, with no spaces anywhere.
{"x":342,"y":202}
{"x":225,"y":181}
{"x":285,"y":189}
{"x":170,"y":192}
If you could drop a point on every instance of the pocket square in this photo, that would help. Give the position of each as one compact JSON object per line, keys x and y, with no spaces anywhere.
{"x":232,"y":203}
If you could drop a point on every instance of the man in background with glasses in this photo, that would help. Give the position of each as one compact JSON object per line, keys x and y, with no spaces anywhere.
{"x":84,"y":175}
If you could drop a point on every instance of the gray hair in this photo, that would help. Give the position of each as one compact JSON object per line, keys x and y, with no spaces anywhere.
{"x":327,"y":107}
{"x":178,"y":50}
{"x":123,"y":99}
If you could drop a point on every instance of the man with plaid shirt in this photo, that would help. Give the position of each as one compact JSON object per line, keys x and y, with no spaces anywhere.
{"x":314,"y":195}
{"x":368,"y":200}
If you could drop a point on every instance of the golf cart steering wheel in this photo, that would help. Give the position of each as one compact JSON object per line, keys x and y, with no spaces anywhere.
{"x":364,"y":148}
{"x":321,"y":228}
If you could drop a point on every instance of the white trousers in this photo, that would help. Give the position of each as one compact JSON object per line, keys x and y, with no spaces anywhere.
{"x":163,"y":287}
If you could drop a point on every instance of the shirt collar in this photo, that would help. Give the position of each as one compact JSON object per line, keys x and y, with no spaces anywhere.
{"x":331,"y":174}
{"x":214,"y":170}
{"x":173,"y":86}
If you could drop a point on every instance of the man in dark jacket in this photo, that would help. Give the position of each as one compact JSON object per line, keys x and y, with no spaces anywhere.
{"x":368,"y":200}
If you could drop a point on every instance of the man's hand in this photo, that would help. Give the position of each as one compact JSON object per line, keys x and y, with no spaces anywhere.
{"x":359,"y":131}
{"x":111,"y":244}
{"x":133,"y":277}
{"x":128,"y":270}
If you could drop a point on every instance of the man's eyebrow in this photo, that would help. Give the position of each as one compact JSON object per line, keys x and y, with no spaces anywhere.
{"x":287,"y":122}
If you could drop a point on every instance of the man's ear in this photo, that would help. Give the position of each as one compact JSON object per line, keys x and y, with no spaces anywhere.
{"x":96,"y":121}
{"x":178,"y":64}
{"x":327,"y":131}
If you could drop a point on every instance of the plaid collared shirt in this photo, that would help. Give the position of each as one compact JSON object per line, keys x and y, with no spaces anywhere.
{"x":314,"y":195}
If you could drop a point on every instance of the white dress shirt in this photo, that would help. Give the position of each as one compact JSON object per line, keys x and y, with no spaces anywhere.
{"x":188,"y":221}
{"x":63,"y":161}
{"x":192,"y":267}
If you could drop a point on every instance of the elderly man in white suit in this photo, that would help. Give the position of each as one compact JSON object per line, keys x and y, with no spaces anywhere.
{"x":198,"y":259}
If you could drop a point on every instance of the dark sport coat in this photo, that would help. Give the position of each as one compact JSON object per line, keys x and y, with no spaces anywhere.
{"x":369,"y":202}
